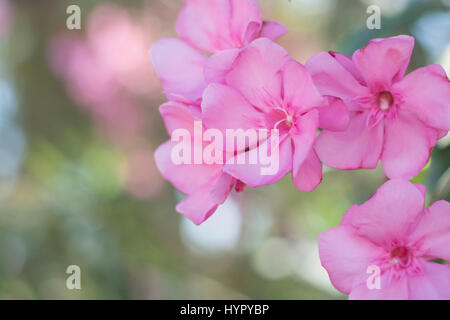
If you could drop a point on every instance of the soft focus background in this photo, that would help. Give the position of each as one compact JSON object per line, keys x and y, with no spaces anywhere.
{"x":79,"y":123}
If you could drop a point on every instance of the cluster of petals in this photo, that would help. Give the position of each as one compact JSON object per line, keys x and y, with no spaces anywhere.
{"x":221,"y":28}
{"x":265,"y":88}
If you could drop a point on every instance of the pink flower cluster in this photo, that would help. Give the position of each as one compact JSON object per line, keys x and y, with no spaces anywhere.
{"x":226,"y":70}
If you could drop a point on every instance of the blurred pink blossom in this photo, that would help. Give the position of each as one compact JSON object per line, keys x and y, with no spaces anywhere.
{"x":5,"y":16}
{"x":107,"y":72}
{"x":112,"y":57}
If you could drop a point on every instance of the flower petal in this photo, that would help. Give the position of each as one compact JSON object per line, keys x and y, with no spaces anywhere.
{"x":177,"y":116}
{"x":251,"y":174}
{"x":357,"y":147}
{"x":303,"y":135}
{"x":390,"y":289}
{"x":426,"y":93}
{"x":388,"y":216}
{"x":214,"y":25}
{"x":335,"y":116}
{"x":180,"y":68}
{"x":384,"y":61}
{"x":219,"y":64}
{"x":254,"y":73}
{"x":199,"y":205}
{"x":299,"y":90}
{"x":273,"y":30}
{"x":346,"y":256}
{"x":407,"y":146}
{"x":225,"y":108}
{"x":347,"y":63}
{"x":332,"y":79}
{"x":187,"y":178}
{"x":434,"y":284}
{"x":309,"y":174}
{"x":222,"y":188}
{"x":205,"y":24}
{"x":245,"y":14}
{"x":432,"y":233}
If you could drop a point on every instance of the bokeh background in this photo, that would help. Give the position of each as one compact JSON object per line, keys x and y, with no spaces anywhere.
{"x":79,"y":123}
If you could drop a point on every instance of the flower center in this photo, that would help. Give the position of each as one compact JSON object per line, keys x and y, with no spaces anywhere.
{"x":400,"y":256}
{"x":385,"y":100}
{"x":280,"y":118}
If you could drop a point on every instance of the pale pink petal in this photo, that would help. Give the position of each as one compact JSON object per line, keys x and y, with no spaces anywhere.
{"x":177,"y":116}
{"x":332,"y":79}
{"x":390,"y":289}
{"x":335,"y":116}
{"x":384,"y":61}
{"x":225,"y":108}
{"x":426,"y":93}
{"x":298,"y":88}
{"x":255,"y":73}
{"x":347,"y":217}
{"x":407,"y":146}
{"x":205,"y":24}
{"x":245,"y":14}
{"x":357,"y":147}
{"x":180,"y":68}
{"x":348,"y":65}
{"x":309,"y":174}
{"x":219,"y":65}
{"x":434,"y":284}
{"x":222,"y":188}
{"x":432,"y":233}
{"x":251,"y":174}
{"x":199,"y":205}
{"x":421,"y":188}
{"x":252,"y":33}
{"x":388,"y":216}
{"x":303,"y":135}
{"x":346,"y":256}
{"x":273,"y":30}
{"x":187,"y":178}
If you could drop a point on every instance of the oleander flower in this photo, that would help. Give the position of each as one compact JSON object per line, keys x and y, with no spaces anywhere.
{"x":205,"y":185}
{"x":395,"y":119}
{"x":394,"y":233}
{"x":265,"y":89}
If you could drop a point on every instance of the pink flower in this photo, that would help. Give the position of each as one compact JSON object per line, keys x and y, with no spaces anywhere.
{"x":391,"y":232}
{"x":205,"y":185}
{"x":214,"y":26}
{"x":265,"y":89}
{"x":393,"y":118}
